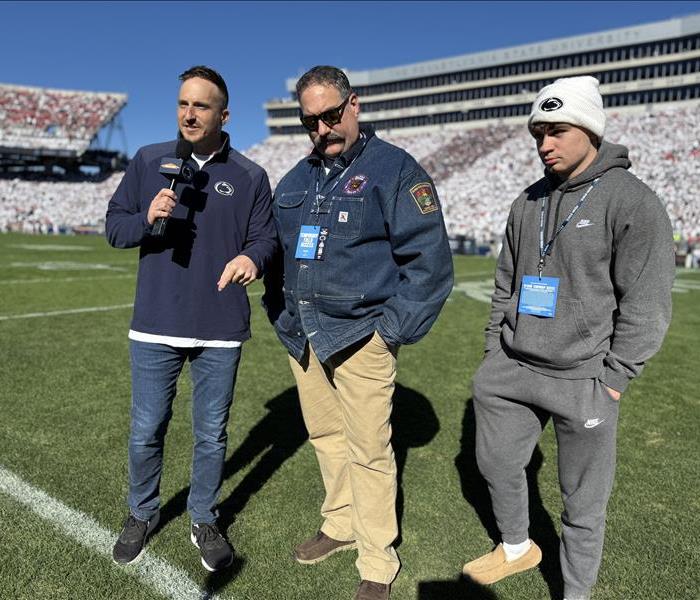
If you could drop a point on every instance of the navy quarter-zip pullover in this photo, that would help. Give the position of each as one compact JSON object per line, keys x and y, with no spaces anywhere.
{"x":223,"y":210}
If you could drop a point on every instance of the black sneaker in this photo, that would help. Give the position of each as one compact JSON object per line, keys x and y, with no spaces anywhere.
{"x":215,"y":550}
{"x":132,"y":540}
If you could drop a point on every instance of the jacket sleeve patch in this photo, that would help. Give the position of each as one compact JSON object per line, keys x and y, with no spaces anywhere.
{"x":425,"y":197}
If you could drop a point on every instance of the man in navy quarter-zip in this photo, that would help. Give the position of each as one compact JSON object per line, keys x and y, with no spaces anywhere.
{"x":367,"y":268}
{"x":582,"y":301}
{"x":191,"y":303}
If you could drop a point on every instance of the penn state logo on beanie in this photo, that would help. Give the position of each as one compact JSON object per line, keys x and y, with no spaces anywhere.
{"x":573,"y":100}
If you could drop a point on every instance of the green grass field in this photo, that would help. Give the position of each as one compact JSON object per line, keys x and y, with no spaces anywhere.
{"x":64,"y":416}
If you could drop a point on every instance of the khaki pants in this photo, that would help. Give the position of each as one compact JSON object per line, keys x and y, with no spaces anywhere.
{"x":346,"y":405}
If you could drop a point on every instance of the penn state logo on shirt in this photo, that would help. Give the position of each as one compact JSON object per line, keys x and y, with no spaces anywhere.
{"x":551,"y":104}
{"x":224,"y":188}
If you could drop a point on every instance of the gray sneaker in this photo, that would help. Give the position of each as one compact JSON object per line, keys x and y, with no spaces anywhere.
{"x":132,"y":540}
{"x":320,"y":547}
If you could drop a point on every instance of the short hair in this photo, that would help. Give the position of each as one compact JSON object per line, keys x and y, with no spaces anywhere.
{"x":210,"y":75}
{"x":325,"y":75}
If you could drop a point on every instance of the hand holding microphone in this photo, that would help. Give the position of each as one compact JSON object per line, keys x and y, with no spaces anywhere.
{"x":164,"y":202}
{"x":161,"y":206}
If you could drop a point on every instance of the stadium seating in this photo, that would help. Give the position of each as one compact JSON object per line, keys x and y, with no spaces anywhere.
{"x":40,"y":118}
{"x":477,"y":172}
{"x":52,"y":205}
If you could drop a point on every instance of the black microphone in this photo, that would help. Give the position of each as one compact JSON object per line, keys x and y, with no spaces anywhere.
{"x":172,"y":169}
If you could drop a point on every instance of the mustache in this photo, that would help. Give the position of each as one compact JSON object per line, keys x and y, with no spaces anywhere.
{"x":329,"y":139}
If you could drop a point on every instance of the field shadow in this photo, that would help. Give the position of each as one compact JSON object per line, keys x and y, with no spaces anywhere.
{"x":215,"y":582}
{"x":414,"y":424}
{"x":277,"y":436}
{"x":271,"y":441}
{"x":460,"y":589}
{"x":476,"y":493}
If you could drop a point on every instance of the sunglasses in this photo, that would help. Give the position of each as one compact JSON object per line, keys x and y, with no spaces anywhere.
{"x":330,"y":117}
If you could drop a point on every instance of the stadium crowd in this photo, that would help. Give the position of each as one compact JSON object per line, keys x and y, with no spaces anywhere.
{"x":477,"y":173}
{"x":55,"y":205}
{"x":42,"y":118}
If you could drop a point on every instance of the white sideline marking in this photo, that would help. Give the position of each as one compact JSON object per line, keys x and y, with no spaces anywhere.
{"x":75,"y":311}
{"x":683,"y":286}
{"x":476,"y":274}
{"x":166,"y":579}
{"x":476,"y":290}
{"x":482,"y":290}
{"x":62,"y":279}
{"x":72,"y":311}
{"x":66,"y":265}
{"x":52,"y":247}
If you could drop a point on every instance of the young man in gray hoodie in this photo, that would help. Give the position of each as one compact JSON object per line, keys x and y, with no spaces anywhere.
{"x":582,"y":301}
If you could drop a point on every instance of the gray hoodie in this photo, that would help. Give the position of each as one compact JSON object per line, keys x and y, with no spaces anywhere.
{"x":615,"y":264}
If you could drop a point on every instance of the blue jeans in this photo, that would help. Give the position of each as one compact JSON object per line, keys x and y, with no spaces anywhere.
{"x":154,"y":372}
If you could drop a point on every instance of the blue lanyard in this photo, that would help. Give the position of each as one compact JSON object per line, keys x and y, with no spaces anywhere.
{"x":319,"y":199}
{"x":544,"y":249}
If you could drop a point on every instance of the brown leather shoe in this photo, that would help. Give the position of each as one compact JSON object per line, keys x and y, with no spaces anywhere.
{"x":371,"y":590}
{"x":493,"y":567}
{"x":320,"y":547}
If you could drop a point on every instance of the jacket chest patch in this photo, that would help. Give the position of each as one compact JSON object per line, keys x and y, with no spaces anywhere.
{"x":355,"y":184}
{"x":224,"y":188}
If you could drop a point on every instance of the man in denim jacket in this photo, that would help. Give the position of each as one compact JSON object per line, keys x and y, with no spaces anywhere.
{"x":367,"y":268}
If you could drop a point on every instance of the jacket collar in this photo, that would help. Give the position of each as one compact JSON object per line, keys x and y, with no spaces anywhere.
{"x":221,"y":155}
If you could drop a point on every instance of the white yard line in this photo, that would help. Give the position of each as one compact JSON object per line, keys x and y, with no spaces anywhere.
{"x":64,"y":279}
{"x":170,"y":581}
{"x":476,"y":274}
{"x":75,"y":311}
{"x":71,"y":311}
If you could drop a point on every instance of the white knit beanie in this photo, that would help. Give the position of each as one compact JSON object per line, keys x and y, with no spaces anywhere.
{"x":574,"y":100}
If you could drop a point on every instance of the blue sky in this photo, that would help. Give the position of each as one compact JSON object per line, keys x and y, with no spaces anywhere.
{"x":139,"y":48}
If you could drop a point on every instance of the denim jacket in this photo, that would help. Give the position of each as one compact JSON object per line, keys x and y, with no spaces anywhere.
{"x":386,"y":265}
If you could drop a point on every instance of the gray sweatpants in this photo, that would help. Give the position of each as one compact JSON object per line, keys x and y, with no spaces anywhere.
{"x":512,"y":405}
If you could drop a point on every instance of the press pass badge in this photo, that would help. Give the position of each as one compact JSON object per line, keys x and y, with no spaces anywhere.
{"x":307,"y":242}
{"x":538,"y":296}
